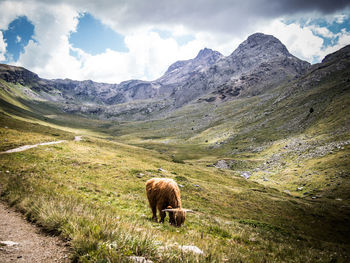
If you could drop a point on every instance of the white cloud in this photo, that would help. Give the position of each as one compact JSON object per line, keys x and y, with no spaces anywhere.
{"x":48,"y":54}
{"x":219,"y":16}
{"x":2,"y":48}
{"x":9,"y":11}
{"x":322,"y":31}
{"x":340,"y":18}
{"x":18,"y":39}
{"x":303,"y":43}
{"x":149,"y":55}
{"x":343,"y":40}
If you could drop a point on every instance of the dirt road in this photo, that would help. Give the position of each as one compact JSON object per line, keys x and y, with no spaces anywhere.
{"x":21,"y":241}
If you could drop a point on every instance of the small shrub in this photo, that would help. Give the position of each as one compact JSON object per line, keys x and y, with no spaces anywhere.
{"x":217,"y":231}
{"x":177,"y":160}
{"x":181,"y":178}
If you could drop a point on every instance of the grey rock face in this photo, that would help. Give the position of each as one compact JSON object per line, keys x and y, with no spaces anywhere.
{"x":183,"y":70}
{"x":17,"y":74}
{"x":332,"y":63}
{"x":186,"y":80}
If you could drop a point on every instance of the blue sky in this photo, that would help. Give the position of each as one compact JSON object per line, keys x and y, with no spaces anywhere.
{"x":112,"y":41}
{"x":94,"y":37}
{"x":17,"y":36}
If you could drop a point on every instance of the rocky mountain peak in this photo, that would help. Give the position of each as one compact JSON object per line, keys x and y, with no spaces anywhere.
{"x":259,"y":49}
{"x":260,"y":43}
{"x":205,"y":57}
{"x":260,"y":62}
{"x":208,"y":53}
{"x":181,"y":69}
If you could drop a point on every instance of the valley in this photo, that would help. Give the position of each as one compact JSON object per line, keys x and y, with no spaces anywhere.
{"x":258,"y":141}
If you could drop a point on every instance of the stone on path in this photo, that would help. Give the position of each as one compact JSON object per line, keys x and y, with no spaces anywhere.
{"x":136,"y":259}
{"x":8,"y":243}
{"x":192,"y":249}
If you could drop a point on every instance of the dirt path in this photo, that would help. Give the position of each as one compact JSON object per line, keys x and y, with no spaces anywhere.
{"x":27,"y":147}
{"x":21,"y":241}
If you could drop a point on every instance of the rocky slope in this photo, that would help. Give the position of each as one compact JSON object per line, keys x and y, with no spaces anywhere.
{"x":17,"y":75}
{"x":258,"y":64}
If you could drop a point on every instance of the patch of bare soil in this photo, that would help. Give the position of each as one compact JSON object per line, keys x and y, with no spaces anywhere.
{"x":21,"y":241}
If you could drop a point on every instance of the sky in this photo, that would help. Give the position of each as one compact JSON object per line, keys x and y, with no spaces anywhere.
{"x":116,"y":40}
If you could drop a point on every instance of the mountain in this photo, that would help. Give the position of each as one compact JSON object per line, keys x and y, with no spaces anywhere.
{"x":261,"y":62}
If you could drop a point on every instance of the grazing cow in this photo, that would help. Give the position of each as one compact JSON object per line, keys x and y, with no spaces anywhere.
{"x":164,"y":194}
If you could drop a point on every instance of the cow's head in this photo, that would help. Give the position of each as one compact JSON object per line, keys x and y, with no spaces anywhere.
{"x":177,"y":215}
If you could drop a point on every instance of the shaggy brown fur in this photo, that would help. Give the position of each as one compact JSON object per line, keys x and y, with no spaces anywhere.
{"x":163,"y":193}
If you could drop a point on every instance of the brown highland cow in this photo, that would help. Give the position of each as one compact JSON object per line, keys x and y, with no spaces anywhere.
{"x":164,"y":194}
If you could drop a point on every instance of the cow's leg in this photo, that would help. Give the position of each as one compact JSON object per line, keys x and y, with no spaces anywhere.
{"x":162,"y":216}
{"x":171,"y":218}
{"x":154,"y":212}
{"x":160,"y":207}
{"x":153,"y":205}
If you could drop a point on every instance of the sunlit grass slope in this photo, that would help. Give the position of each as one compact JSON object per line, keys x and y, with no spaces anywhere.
{"x":92,"y":193}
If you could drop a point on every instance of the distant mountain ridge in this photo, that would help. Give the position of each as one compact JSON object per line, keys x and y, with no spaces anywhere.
{"x":259,"y":63}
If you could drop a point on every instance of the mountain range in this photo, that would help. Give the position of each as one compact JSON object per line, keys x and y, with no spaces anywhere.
{"x":261,"y":62}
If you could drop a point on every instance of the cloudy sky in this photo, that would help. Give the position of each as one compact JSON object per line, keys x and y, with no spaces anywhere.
{"x":115,"y":40}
